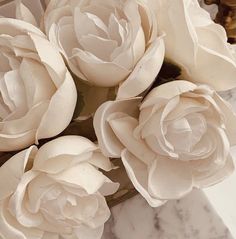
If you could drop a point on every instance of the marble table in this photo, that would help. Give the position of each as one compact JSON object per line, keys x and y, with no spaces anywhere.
{"x":189,"y":218}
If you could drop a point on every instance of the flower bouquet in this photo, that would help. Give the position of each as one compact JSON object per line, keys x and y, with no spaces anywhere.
{"x":98,"y":97}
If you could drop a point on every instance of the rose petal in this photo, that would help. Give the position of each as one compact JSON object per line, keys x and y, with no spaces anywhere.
{"x":50,"y":57}
{"x":41,"y":88}
{"x":19,"y":125}
{"x":17,"y":207}
{"x":170,"y":179}
{"x":107,"y":140}
{"x":98,"y":160}
{"x":145,"y":71}
{"x":100,"y":47}
{"x":123,"y":128}
{"x":10,"y":228}
{"x":14,"y":27}
{"x":17,"y":141}
{"x":138,"y":174}
{"x":85,"y":232}
{"x":99,"y":72}
{"x":203,"y":74}
{"x":65,"y":98}
{"x":167,"y":91}
{"x":171,"y":14}
{"x":213,"y":177}
{"x":229,"y":117}
{"x":23,"y":13}
{"x":82,"y":175}
{"x":199,"y":44}
{"x":12,"y":171}
{"x":66,"y":145}
{"x":48,"y":235}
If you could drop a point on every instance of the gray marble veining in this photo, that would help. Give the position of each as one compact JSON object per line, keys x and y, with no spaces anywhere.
{"x":189,"y":218}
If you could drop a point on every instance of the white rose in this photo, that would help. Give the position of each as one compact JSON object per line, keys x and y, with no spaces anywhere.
{"x":177,"y":139}
{"x":107,"y":42}
{"x":61,"y":196}
{"x":196,"y":43}
{"x":36,"y":87}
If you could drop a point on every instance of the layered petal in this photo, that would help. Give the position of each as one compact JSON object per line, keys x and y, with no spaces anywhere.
{"x":35,"y":85}
{"x":197,"y":44}
{"x":178,"y":140}
{"x":55,"y":192}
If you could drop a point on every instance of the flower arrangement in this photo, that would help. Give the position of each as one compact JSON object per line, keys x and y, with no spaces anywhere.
{"x":90,"y":88}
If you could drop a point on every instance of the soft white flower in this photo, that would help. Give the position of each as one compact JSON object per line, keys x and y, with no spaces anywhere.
{"x":177,"y":139}
{"x":107,"y":42}
{"x":61,"y":196}
{"x":196,"y":43}
{"x":38,"y":95}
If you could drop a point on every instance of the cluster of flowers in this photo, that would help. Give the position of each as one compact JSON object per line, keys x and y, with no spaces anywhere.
{"x":173,"y":133}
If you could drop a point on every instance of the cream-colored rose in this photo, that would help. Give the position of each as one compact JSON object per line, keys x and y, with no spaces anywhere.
{"x":61,"y":196}
{"x":196,"y":43}
{"x":38,"y":95}
{"x":107,"y":42}
{"x":177,"y":139}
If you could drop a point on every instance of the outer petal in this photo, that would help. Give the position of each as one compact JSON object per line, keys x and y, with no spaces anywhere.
{"x":211,"y":68}
{"x":138,"y":174}
{"x":11,"y":229}
{"x":34,"y":7}
{"x":167,"y":91}
{"x":15,"y":27}
{"x":23,"y":13}
{"x":83,"y":176}
{"x":12,"y":171}
{"x":48,"y":235}
{"x":85,"y":232}
{"x":124,"y":127}
{"x":50,"y":57}
{"x":108,"y":142}
{"x":170,"y":178}
{"x":144,"y":72}
{"x":98,"y":72}
{"x":66,"y":145}
{"x":16,"y":141}
{"x":230,"y":118}
{"x":197,"y":44}
{"x":214,"y":177}
{"x":65,"y":98}
{"x":180,"y":39}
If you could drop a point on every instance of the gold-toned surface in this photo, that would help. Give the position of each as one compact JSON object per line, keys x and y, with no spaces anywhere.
{"x":226,"y":16}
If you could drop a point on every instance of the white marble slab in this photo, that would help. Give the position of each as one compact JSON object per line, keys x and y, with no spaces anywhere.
{"x":189,"y":218}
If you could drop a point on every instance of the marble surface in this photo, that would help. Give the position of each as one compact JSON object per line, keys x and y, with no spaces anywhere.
{"x":189,"y":218}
